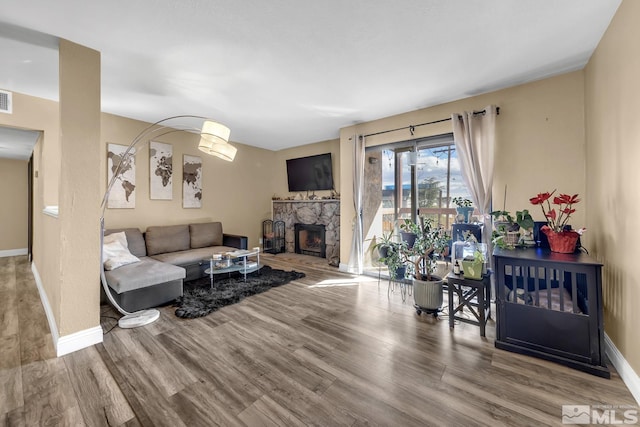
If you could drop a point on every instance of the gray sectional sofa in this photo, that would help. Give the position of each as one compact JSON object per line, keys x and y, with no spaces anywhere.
{"x":168,"y":256}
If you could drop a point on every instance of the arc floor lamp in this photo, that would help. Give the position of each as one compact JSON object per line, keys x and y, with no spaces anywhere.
{"x":214,"y":140}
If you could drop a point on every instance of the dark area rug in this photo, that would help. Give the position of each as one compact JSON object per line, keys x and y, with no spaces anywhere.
{"x":200,"y":300}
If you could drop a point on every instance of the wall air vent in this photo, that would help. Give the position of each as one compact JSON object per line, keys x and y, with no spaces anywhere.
{"x":5,"y":102}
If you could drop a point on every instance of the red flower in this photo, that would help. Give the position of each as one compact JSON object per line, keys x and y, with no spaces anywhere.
{"x":556,"y":219}
{"x":566,"y":199}
{"x":541,"y":197}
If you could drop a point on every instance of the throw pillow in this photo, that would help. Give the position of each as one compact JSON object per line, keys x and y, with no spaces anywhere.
{"x":116,"y":237}
{"x":115,"y":254}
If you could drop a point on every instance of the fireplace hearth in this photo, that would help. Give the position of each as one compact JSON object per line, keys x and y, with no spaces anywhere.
{"x":310,"y":239}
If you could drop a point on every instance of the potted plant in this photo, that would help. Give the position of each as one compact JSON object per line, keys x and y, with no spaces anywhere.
{"x":409,"y":231}
{"x":526,"y":223}
{"x":431,"y":244}
{"x":472,"y":267}
{"x":506,"y":228}
{"x":463,"y":207}
{"x":395,"y":260}
{"x":383,"y":243}
{"x":560,"y":239}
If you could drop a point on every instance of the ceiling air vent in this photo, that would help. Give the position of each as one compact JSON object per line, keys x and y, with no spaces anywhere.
{"x":5,"y":102}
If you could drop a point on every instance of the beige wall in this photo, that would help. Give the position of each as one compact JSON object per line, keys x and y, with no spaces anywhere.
{"x":236,"y":193}
{"x":42,"y":115}
{"x":612,"y":90}
{"x":540,"y":143}
{"x":14,"y":206}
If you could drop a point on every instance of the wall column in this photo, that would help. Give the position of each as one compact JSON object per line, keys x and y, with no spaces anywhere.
{"x":79,"y":191}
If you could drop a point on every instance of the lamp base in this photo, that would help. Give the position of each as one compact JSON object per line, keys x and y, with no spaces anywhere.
{"x":139,"y":318}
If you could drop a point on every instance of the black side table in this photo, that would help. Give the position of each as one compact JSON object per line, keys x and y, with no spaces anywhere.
{"x":473,"y":294}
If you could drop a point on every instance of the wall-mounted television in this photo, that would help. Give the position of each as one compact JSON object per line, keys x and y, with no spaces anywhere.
{"x":310,"y":173}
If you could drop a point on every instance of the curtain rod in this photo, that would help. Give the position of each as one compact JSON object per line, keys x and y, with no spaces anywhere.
{"x":412,"y":127}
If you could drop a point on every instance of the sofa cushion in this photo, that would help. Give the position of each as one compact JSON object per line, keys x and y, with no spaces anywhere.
{"x":206,"y":234}
{"x":135,"y":240}
{"x":168,"y":238}
{"x":192,"y":255}
{"x":147,"y":272}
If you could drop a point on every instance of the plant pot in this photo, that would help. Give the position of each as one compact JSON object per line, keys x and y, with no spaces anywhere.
{"x":408,"y":237}
{"x":465,"y":211}
{"x":400,"y":272}
{"x":427,"y":294}
{"x":383,"y":251}
{"x":472,"y":269}
{"x":563,"y":242}
{"x":504,"y":226}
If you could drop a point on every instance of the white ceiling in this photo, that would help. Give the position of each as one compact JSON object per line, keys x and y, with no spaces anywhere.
{"x":292,"y":72}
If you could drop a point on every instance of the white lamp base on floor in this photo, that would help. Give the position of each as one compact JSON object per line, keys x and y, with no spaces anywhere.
{"x":139,"y":318}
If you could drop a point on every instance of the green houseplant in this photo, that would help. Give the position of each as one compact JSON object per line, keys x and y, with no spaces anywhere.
{"x":506,"y":227}
{"x":409,"y":231}
{"x":383,"y":243}
{"x":431,"y":244}
{"x":463,"y":207}
{"x":395,"y":260}
{"x":472,"y":268}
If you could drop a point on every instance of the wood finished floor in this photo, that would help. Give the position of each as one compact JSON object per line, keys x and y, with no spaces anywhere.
{"x":327,"y":350}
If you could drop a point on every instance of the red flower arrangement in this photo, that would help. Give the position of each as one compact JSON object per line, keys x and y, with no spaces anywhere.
{"x":559,"y":240}
{"x":556,"y":220}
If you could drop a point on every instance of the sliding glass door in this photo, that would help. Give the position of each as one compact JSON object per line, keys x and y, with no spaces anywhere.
{"x":408,"y":180}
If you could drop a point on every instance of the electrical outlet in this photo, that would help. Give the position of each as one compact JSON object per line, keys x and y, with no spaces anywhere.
{"x":260,"y":240}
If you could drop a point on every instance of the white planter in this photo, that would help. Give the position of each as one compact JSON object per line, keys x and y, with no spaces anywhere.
{"x":428,"y":294}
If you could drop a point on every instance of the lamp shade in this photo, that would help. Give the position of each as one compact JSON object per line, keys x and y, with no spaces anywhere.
{"x":219,"y":149}
{"x":215,"y":132}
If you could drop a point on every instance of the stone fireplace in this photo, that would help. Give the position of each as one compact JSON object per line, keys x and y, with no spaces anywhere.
{"x":311,"y":212}
{"x":310,"y":239}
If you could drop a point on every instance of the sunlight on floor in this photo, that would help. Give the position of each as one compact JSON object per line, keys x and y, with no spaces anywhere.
{"x":355,"y":281}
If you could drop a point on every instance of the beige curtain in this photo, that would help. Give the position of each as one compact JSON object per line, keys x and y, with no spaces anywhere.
{"x":357,"y":252}
{"x":474,"y":136}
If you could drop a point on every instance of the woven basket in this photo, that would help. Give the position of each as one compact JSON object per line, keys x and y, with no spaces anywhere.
{"x":511,"y":238}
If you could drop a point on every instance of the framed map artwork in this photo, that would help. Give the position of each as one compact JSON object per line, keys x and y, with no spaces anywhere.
{"x":123,"y":192}
{"x":160,"y":171}
{"x":191,"y":182}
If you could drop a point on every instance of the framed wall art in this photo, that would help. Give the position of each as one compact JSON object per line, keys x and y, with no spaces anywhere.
{"x":191,"y":182}
{"x":160,"y":171}
{"x":123,"y":192}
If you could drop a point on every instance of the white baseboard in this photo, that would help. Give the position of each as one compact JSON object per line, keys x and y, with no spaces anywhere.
{"x":79,"y":340}
{"x":45,"y":303}
{"x":13,"y":252}
{"x":68,"y":343}
{"x":628,"y":375}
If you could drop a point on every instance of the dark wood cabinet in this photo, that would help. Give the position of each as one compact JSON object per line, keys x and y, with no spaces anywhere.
{"x":549,"y":305}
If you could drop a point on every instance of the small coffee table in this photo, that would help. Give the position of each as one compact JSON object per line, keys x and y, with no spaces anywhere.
{"x":237,"y":261}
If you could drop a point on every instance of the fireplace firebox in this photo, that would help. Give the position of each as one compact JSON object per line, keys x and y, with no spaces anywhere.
{"x":310,"y":239}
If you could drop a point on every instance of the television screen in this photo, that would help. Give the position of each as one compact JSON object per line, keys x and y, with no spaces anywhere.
{"x":310,"y":173}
